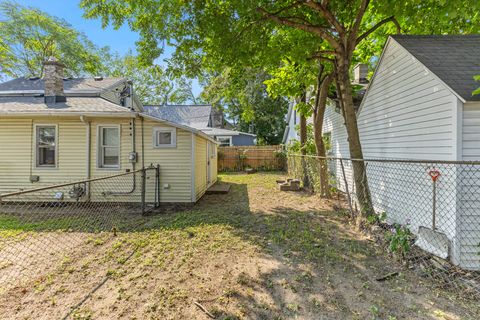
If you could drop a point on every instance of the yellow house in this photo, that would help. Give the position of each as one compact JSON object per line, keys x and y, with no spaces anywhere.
{"x":55,"y":130}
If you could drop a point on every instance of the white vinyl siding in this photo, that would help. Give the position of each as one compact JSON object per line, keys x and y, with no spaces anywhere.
{"x":408,"y":113}
{"x":469,"y":200}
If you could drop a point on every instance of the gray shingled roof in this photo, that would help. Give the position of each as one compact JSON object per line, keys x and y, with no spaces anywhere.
{"x":196,"y":116}
{"x":76,"y":84}
{"x":30,"y":104}
{"x":455,"y":59}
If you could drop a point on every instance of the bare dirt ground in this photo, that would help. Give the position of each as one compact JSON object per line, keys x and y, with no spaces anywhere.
{"x":255,"y":253}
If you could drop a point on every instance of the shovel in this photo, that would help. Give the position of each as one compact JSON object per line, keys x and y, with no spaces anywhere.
{"x":430,"y":239}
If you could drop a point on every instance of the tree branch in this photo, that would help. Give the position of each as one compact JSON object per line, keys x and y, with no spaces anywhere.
{"x":327,"y":14}
{"x":378,"y":25}
{"x":356,"y":25}
{"x":318,"y":30}
{"x":320,"y":57}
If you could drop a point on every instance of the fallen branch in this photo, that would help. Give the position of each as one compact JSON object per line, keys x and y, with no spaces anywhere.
{"x":387,"y":276}
{"x":204,"y":310}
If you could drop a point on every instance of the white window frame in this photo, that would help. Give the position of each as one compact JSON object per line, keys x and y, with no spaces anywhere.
{"x":211,"y":147}
{"x":35,"y":133}
{"x":225,"y":137}
{"x":100,"y":146}
{"x":171,"y":130}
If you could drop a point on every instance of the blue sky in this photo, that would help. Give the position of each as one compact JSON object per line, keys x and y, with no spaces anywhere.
{"x":121,"y":40}
{"x":118,"y":40}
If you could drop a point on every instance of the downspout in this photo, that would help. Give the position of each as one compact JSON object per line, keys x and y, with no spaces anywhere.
{"x":88,"y":154}
{"x":143,"y":144}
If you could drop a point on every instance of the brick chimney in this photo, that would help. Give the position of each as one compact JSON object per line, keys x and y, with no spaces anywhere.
{"x":53,"y":78}
{"x":360,"y":72}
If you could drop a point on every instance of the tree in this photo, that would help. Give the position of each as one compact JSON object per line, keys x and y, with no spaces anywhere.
{"x":30,"y":37}
{"x":238,"y":32}
{"x":292,"y":79}
{"x":154,"y":84}
{"x":244,"y":96}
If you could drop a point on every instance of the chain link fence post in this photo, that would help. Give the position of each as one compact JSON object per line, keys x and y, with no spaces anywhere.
{"x":347,"y":191}
{"x":142,"y":192}
{"x":157,"y":186}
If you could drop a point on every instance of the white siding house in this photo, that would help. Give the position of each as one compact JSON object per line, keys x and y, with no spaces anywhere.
{"x":419,"y":106}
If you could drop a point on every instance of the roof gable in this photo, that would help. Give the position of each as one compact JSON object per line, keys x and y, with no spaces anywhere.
{"x":454,"y":59}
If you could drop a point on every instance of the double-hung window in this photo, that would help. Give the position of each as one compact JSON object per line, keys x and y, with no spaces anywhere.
{"x":46,"y":146}
{"x":109,"y":147}
{"x":164,"y":137}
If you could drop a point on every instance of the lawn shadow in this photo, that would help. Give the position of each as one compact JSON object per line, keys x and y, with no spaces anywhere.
{"x":255,"y":253}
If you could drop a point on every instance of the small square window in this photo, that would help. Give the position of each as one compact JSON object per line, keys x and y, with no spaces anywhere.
{"x":164,"y":137}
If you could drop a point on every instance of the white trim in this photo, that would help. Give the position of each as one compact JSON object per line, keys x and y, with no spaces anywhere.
{"x":99,"y":155}
{"x":112,"y":114}
{"x":173,"y":141}
{"x":35,"y":136}
{"x":225,"y":137}
{"x":457,"y":138}
{"x":193,"y":195}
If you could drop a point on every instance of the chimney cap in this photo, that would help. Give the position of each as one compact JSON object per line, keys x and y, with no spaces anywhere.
{"x":53,"y":61}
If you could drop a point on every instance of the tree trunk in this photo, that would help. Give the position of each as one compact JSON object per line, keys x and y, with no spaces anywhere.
{"x":359,"y":167}
{"x":303,"y":141}
{"x":318,"y":115}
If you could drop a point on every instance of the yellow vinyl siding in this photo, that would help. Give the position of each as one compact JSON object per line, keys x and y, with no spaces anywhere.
{"x":15,"y":140}
{"x":200,"y":166}
{"x":175,"y":163}
{"x":17,"y":158}
{"x":214,"y":162}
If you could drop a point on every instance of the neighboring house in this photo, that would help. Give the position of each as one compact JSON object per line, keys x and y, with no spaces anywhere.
{"x":56,"y":130}
{"x":204,"y":118}
{"x":291,"y":133}
{"x":292,"y":119}
{"x":419,"y":105}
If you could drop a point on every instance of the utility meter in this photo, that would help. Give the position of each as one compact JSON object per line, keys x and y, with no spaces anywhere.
{"x":132,"y":157}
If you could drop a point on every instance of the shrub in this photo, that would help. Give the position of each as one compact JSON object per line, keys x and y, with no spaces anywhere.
{"x":399,"y":239}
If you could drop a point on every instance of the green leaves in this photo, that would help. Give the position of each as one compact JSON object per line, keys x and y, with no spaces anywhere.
{"x":477,"y":91}
{"x":153,"y":84}
{"x":244,"y":96}
{"x":30,"y":36}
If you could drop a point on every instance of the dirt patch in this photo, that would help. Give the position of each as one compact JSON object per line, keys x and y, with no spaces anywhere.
{"x":255,"y":253}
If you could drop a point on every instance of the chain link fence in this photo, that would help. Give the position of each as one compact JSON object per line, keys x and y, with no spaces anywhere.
{"x":39,"y":227}
{"x":427,"y":213}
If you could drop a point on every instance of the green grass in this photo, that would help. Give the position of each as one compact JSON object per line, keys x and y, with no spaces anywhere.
{"x":212,"y":252}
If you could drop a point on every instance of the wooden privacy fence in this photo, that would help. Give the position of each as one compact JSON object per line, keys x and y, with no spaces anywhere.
{"x":262,"y":158}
